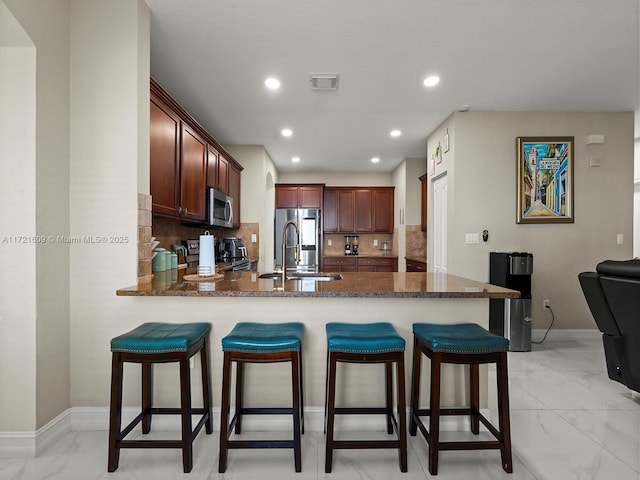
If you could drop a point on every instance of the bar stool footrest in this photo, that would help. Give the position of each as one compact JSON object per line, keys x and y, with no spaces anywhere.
{"x":359,"y":411}
{"x":362,"y":444}
{"x":261,"y":444}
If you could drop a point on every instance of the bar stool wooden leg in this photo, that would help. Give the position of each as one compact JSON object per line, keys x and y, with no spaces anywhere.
{"x":415,"y":388}
{"x":402,"y":411}
{"x":388,"y":367}
{"x":434,"y":417}
{"x":224,"y":412}
{"x":206,"y":386}
{"x":115,"y":412}
{"x":239,"y":396}
{"x":185,"y":408}
{"x":147,"y":396}
{"x":503,"y":412}
{"x":331,"y":397}
{"x":295,"y":393}
{"x":326,"y":393}
{"x":301,"y":391}
{"x":474,"y":397}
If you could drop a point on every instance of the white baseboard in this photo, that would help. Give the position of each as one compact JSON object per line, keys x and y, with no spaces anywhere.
{"x":568,"y":334}
{"x":31,"y":444}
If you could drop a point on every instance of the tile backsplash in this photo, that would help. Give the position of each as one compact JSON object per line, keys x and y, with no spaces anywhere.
{"x":170,"y":231}
{"x":365,"y":246}
{"x":415,"y":241}
{"x":144,"y":238}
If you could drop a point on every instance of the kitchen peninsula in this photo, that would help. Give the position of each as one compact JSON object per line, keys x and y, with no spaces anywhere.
{"x":398,"y":298}
{"x":352,"y":284}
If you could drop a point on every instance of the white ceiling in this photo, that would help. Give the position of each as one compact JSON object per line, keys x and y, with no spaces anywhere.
{"x":214,"y":55}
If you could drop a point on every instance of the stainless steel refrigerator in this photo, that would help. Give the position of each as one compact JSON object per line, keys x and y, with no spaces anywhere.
{"x":309,"y":236}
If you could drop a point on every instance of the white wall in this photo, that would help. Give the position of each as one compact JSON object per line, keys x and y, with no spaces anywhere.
{"x":108,"y":94}
{"x":257,"y":202}
{"x":48,"y":26}
{"x":399,"y":179}
{"x":415,"y":168}
{"x":339,"y":179}
{"x":17,"y":226}
{"x":481,"y":169}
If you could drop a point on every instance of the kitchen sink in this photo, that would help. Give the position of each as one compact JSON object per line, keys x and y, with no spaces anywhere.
{"x":318,"y":277}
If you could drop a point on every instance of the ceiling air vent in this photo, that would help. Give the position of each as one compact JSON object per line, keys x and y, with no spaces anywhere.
{"x":324,"y":81}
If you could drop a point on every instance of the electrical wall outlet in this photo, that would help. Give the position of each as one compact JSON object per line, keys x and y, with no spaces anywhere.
{"x":375,"y":243}
{"x":329,"y":242}
{"x":545,"y":303}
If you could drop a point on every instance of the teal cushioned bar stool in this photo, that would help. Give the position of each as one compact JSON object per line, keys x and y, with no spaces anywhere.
{"x":251,"y":342}
{"x":160,"y":343}
{"x":464,"y":343}
{"x":366,"y":343}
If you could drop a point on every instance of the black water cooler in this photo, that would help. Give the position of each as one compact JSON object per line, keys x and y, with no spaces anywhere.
{"x":511,"y":318}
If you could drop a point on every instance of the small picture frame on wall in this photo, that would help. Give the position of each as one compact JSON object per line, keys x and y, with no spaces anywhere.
{"x":432,"y":165}
{"x":439,"y":154}
{"x":446,"y":141}
{"x":545,"y":180}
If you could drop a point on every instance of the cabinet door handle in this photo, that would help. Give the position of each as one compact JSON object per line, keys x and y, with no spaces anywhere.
{"x":186,"y":211}
{"x":179,"y":210}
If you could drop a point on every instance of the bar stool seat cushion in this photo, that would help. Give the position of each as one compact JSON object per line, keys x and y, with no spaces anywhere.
{"x":156,"y":337}
{"x":363,"y":338}
{"x":468,"y":338}
{"x":252,"y":337}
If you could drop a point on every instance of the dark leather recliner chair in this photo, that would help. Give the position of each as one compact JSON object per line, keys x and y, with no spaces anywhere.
{"x":613,"y":295}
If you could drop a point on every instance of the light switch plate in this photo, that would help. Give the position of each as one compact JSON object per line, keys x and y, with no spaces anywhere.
{"x":472,"y":238}
{"x":254,"y":238}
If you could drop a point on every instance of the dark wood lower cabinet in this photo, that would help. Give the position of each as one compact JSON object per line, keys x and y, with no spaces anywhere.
{"x":415,"y":266}
{"x":360,"y":264}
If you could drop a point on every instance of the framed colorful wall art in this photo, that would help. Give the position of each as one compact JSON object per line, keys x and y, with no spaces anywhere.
{"x":545,"y":180}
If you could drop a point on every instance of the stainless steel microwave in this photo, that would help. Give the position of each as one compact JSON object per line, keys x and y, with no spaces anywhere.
{"x":219,"y":209}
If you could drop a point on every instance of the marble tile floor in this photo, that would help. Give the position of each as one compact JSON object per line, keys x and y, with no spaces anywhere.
{"x":569,"y":421}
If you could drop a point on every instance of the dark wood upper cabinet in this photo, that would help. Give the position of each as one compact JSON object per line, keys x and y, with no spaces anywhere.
{"x":310,"y":196}
{"x":223,"y":175}
{"x":330,"y":210}
{"x":185,"y":160}
{"x":286,"y":196}
{"x":382,"y":200}
{"x":358,"y":209}
{"x":193,"y":174}
{"x":363,"y":211}
{"x":423,"y":203}
{"x":212,"y":167}
{"x":164,"y":149}
{"x":299,"y":196}
{"x":345,"y":211}
{"x":234,"y":192}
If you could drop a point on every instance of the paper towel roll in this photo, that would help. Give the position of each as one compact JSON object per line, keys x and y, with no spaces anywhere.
{"x":207,"y":259}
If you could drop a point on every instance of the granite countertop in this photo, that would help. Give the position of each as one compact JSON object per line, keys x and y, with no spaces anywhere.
{"x":364,"y":255}
{"x":357,"y":284}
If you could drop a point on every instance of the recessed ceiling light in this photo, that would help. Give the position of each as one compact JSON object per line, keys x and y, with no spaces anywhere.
{"x":395,"y":133}
{"x":295,"y":159}
{"x":375,"y":160}
{"x":431,"y":81}
{"x":286,"y":132}
{"x":272,"y":83}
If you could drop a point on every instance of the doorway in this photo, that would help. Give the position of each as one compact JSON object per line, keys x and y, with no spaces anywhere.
{"x":440,"y":224}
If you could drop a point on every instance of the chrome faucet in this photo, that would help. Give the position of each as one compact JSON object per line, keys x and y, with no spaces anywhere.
{"x":285,"y":246}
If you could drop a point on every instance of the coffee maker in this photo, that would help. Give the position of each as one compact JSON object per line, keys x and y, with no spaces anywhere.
{"x":347,"y":244}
